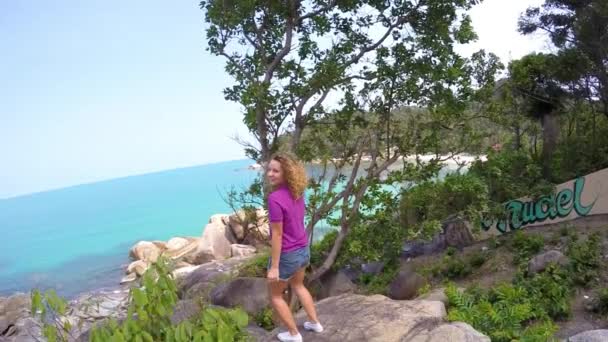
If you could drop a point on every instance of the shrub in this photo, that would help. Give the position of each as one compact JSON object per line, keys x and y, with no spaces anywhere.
{"x":551,"y":291}
{"x":148,"y":316}
{"x":477,"y":259}
{"x":456,"y":268}
{"x":502,"y":313}
{"x":585,"y":259}
{"x":255,"y":267}
{"x":264,"y":319}
{"x":601,"y":305}
{"x":378,"y":284}
{"x":525,"y":246}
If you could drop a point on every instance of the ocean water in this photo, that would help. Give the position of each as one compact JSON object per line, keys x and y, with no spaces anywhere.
{"x":77,"y":239}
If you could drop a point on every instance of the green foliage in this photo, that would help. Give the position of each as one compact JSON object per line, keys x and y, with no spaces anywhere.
{"x":525,"y":246}
{"x":256,"y":266}
{"x":379,"y":283}
{"x":320,"y":249}
{"x":551,"y":291}
{"x":149,"y":316}
{"x":504,"y":313}
{"x":585,"y":259}
{"x":477,"y":259}
{"x":510,"y":174}
{"x":264,"y":319}
{"x":433,"y":201}
{"x":601,"y":305}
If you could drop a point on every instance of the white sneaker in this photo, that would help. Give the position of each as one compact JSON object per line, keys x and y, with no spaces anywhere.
{"x":316,"y":327}
{"x":287,"y":337}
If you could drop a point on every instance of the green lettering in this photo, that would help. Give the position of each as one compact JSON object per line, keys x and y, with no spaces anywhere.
{"x":514,"y":207}
{"x":528,"y":215}
{"x":564,"y":202}
{"x":579,"y":185}
{"x":501,"y":226}
{"x":544,"y":208}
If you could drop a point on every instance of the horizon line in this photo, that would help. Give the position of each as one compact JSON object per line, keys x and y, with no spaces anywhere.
{"x":145,"y":173}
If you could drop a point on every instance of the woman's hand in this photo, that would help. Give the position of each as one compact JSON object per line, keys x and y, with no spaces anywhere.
{"x":273,"y":274}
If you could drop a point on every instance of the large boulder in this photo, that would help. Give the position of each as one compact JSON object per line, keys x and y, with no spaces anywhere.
{"x":540,"y":262}
{"x":137,"y":267}
{"x":358,"y":318}
{"x":455,"y":331}
{"x":437,"y":295}
{"x":238,"y":250}
{"x":146,"y":251}
{"x":372,"y":268}
{"x":353,"y":318}
{"x":197,"y":282}
{"x":177,"y":243}
{"x":13,"y":310}
{"x":590,"y":336}
{"x":406,"y":284}
{"x":214,"y":244}
{"x":249,"y":293}
{"x":334,"y":284}
{"x":237,"y":223}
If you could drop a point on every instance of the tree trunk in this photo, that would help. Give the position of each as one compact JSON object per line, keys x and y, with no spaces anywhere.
{"x":550,"y":123}
{"x":331,"y":257}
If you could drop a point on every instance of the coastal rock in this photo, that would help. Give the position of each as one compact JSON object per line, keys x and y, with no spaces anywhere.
{"x":146,"y":251}
{"x":455,"y":331}
{"x":181,"y":272}
{"x":138,"y":267}
{"x":238,"y":250}
{"x":162,"y":245}
{"x":13,"y":309}
{"x":237,"y":223}
{"x":100,"y":305}
{"x":406,"y":284}
{"x":372,"y":268}
{"x":131,"y":277}
{"x":540,"y":262}
{"x":353,"y":317}
{"x":215,"y":242}
{"x":199,"y":281}
{"x":249,"y":293}
{"x":437,"y":295}
{"x":600,"y":335}
{"x":177,"y":243}
{"x":219,"y":219}
{"x":334,"y":284}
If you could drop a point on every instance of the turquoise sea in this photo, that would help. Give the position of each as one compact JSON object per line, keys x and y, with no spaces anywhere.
{"x":77,"y":239}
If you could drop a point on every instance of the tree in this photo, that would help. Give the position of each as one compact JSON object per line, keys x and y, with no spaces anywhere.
{"x":534,"y":78}
{"x":289,"y":58}
{"x":579,"y":29}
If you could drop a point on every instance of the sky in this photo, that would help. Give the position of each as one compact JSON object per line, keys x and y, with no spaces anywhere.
{"x":95,"y":90}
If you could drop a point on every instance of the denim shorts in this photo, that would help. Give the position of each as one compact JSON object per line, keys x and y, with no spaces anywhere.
{"x":290,"y":262}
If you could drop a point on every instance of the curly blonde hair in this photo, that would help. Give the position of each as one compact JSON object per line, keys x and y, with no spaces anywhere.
{"x":293,"y":172}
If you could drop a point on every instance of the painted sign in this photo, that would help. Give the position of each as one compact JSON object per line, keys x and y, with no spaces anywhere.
{"x":582,"y":196}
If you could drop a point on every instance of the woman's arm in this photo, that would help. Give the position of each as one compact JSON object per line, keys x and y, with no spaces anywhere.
{"x":277,"y":235}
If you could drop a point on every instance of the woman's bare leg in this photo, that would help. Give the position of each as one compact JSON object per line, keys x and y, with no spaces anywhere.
{"x":297,"y":285}
{"x":276,"y":289}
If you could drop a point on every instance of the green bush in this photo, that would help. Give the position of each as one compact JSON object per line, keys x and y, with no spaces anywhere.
{"x":378,"y":284}
{"x":255,"y":267}
{"x":525,"y":246}
{"x":320,"y":249}
{"x":504,"y":313}
{"x":601,"y":305}
{"x":477,"y":259}
{"x":456,"y":268}
{"x":585,"y":259}
{"x":434,"y":201}
{"x":148,"y":316}
{"x":551,"y":292}
{"x":264,"y":319}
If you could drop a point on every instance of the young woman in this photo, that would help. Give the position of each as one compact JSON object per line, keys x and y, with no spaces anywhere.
{"x":290,"y":251}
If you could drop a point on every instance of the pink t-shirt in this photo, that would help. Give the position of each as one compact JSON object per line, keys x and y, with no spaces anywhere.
{"x":283,"y":208}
